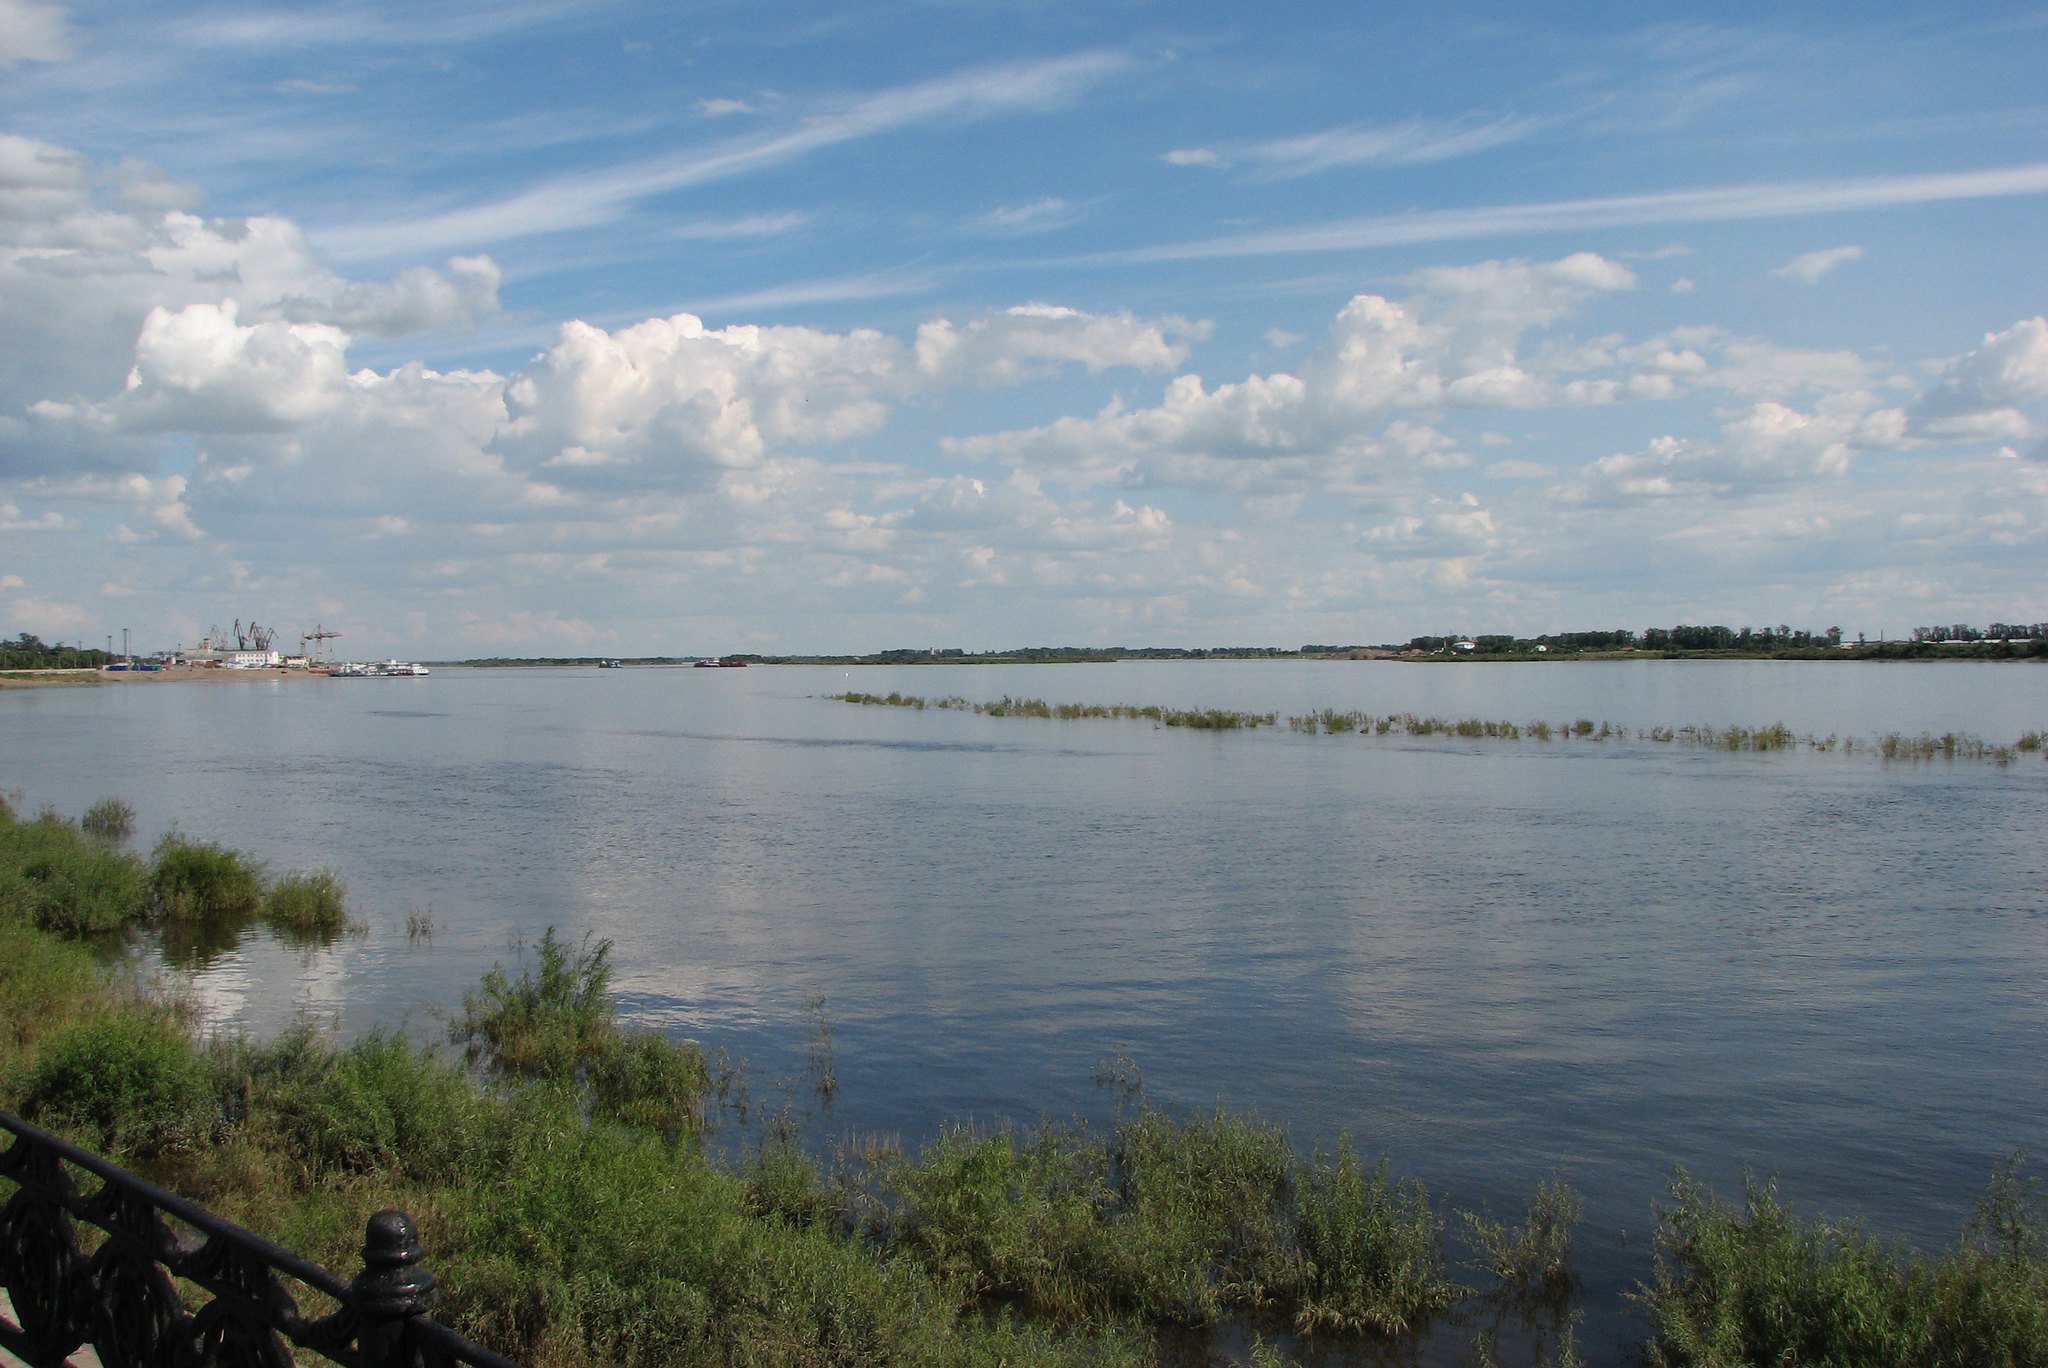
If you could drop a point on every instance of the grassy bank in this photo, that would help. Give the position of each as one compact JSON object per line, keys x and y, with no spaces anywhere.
{"x":1335,"y":722}
{"x":555,"y":1159}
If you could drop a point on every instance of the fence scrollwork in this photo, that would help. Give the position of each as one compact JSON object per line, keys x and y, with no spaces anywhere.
{"x":123,"y":1297}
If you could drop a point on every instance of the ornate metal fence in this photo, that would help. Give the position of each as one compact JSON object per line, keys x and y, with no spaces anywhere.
{"x":121,"y":1298}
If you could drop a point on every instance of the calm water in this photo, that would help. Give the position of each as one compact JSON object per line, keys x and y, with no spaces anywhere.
{"x":1487,"y":959}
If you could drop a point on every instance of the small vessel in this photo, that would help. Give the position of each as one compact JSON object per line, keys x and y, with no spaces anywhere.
{"x":611,"y":665}
{"x":399,"y":669}
{"x":721,"y":663}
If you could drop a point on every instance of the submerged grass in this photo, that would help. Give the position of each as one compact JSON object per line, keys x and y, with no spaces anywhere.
{"x":196,"y":881}
{"x":307,"y":905}
{"x":1775,"y":736}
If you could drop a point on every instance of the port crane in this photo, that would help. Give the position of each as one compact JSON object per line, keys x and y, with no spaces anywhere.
{"x":319,"y":636}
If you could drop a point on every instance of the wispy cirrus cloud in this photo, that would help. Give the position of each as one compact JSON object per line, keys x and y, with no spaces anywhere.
{"x":1811,"y":266}
{"x":1721,"y":204}
{"x":593,"y":198}
{"x":1407,"y":143}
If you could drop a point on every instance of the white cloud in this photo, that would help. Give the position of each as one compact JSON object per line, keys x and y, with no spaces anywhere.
{"x":1442,"y":529}
{"x":98,"y":262}
{"x":1032,"y":339}
{"x":671,"y":400}
{"x":199,"y":370}
{"x":1039,"y":216}
{"x":1193,"y":156}
{"x":587,"y":199}
{"x":1455,"y":342}
{"x":1722,"y":204}
{"x":13,"y":520}
{"x":1409,"y":142}
{"x":32,"y":31}
{"x":1978,"y":394}
{"x":1813,"y":265}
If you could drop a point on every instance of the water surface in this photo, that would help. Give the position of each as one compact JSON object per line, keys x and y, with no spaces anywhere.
{"x":1488,"y":959}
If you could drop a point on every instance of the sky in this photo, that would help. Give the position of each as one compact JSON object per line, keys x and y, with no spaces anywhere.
{"x":608,"y":327}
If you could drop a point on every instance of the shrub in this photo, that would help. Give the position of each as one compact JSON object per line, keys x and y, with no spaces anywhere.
{"x":1537,"y":1254}
{"x":555,"y":1019}
{"x":307,"y":905}
{"x":381,"y":1104}
{"x":198,"y":882}
{"x":126,"y":1081}
{"x":1756,"y":1285}
{"x":1371,"y":1250}
{"x":1012,"y":1215}
{"x":1205,"y":1203}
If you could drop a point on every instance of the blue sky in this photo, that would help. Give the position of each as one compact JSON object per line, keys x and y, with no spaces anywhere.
{"x":619,"y":328}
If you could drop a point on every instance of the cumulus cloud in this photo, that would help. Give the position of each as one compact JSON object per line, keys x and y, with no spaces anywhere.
{"x":1032,"y":339}
{"x":1442,"y":529}
{"x":32,"y":31}
{"x":1767,"y":445}
{"x":200,"y":370}
{"x":110,"y":279}
{"x":1979,"y":394}
{"x":670,"y":399}
{"x":1455,"y":342}
{"x":1813,"y":265}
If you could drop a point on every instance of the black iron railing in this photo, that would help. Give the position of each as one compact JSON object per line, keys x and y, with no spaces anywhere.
{"x":121,"y":1298}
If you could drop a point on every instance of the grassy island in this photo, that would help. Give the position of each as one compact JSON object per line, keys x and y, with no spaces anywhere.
{"x":556,"y":1161}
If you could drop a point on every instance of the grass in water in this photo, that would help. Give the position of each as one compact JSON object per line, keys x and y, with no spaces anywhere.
{"x":194,"y":881}
{"x":109,"y":819}
{"x":307,"y":905}
{"x":1775,"y":736}
{"x":1536,"y":1255}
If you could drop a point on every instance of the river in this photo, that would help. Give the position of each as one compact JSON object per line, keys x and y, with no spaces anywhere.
{"x":1488,"y":959}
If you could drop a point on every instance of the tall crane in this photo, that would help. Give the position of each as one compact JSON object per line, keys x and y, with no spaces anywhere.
{"x":319,"y":636}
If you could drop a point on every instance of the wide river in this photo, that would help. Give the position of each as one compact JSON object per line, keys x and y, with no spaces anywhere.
{"x":1488,"y":959}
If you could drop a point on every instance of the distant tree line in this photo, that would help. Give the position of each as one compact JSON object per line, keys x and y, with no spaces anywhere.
{"x":1997,"y":631}
{"x":27,"y":652}
{"x":1998,"y":638}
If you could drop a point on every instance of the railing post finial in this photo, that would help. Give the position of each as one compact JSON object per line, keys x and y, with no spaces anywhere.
{"x":392,"y":1286}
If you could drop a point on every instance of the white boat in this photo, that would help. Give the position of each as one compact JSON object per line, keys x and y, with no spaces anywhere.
{"x":399,"y":669}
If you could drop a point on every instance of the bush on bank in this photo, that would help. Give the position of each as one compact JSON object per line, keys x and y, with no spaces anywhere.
{"x":575,"y":1221}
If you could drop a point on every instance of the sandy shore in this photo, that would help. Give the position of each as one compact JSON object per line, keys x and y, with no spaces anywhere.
{"x":175,"y":674}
